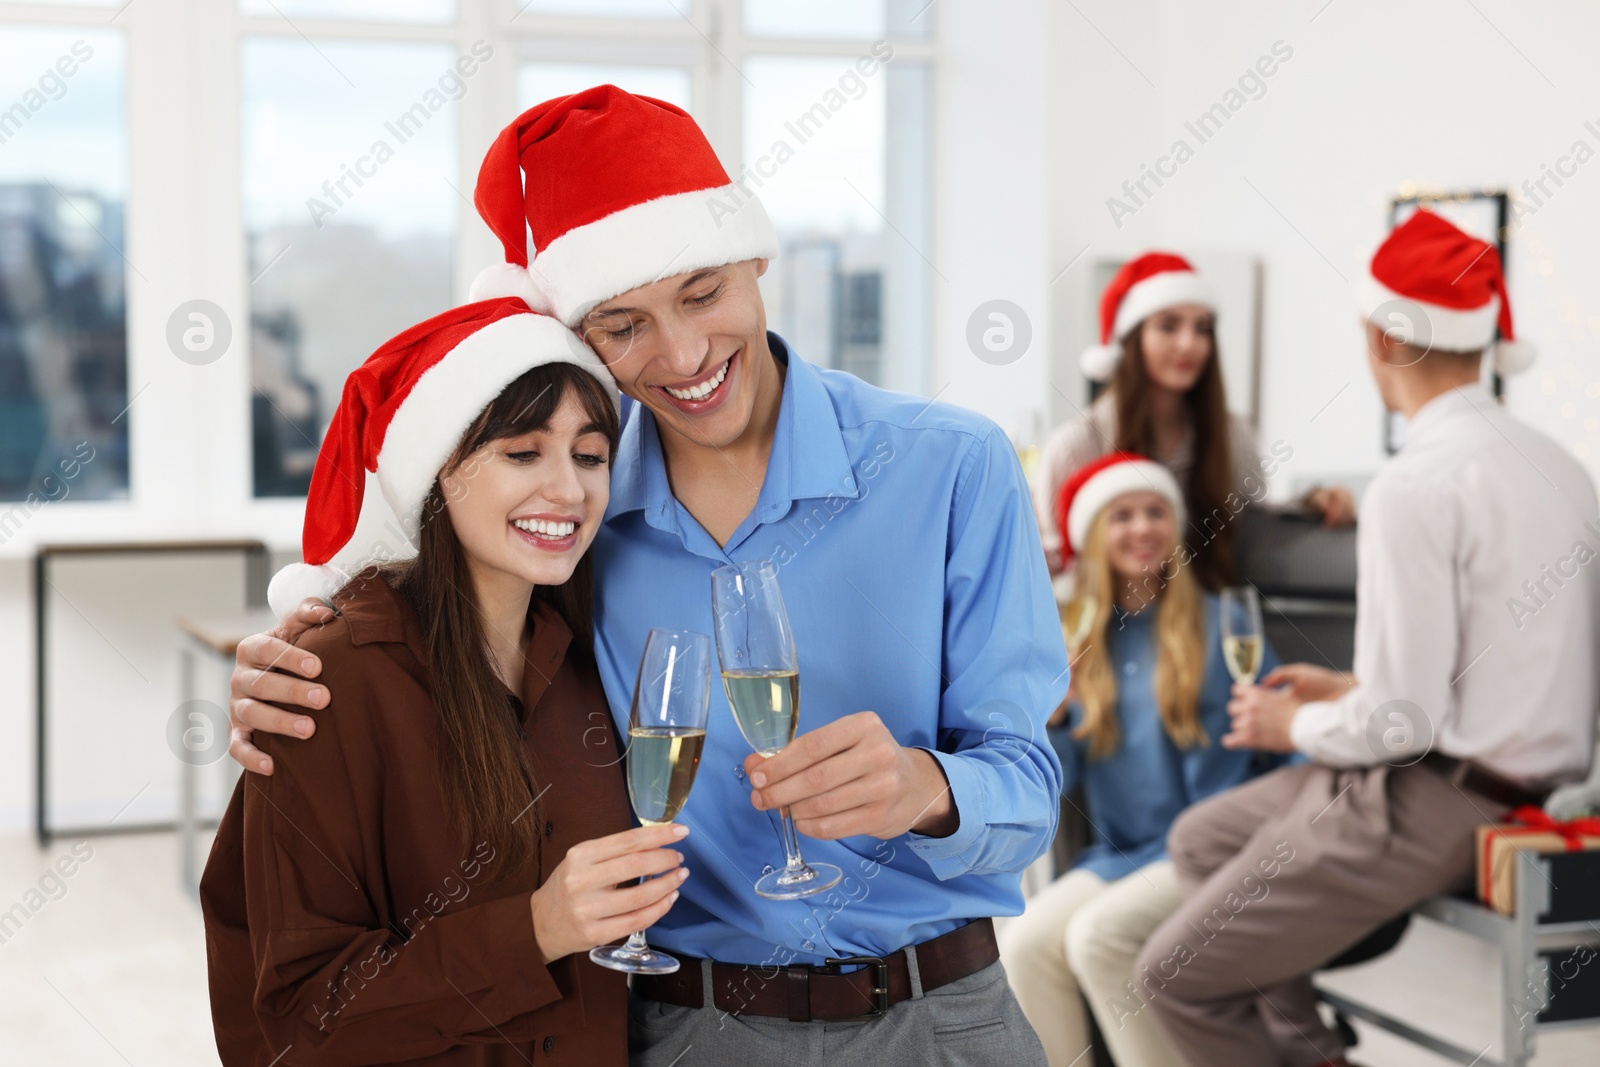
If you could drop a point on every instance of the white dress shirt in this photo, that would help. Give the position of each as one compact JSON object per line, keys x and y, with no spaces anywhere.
{"x":1477,"y":601}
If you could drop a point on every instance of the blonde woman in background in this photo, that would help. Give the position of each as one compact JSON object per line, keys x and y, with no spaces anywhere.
{"x":1165,"y":399}
{"x":1141,"y":732}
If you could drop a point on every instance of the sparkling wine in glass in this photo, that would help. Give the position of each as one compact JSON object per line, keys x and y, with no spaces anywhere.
{"x":666,"y":733}
{"x":1241,"y":633}
{"x":761,"y":675}
{"x":1077,"y":618}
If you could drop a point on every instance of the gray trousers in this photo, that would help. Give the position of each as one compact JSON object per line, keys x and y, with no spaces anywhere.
{"x":973,"y":1021}
{"x":1281,"y":875}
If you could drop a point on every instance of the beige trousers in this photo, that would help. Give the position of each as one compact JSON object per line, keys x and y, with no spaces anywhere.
{"x":1082,"y":934}
{"x":1281,"y":875}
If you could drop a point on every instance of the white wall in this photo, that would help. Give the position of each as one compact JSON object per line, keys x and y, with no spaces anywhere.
{"x":1373,"y":96}
{"x":992,"y":195}
{"x":1101,"y":111}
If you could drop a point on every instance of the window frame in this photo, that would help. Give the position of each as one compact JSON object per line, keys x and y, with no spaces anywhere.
{"x":189,"y":427}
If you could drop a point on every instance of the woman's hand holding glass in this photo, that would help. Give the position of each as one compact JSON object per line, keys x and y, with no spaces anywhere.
{"x":666,"y":733}
{"x":590,"y":898}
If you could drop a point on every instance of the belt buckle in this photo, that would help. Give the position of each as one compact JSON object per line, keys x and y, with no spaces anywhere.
{"x":880,"y":978}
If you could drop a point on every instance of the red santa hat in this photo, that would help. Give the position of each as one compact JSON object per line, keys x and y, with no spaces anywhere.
{"x":1435,"y":286}
{"x":619,"y":191}
{"x":1097,"y":483}
{"x":1143,"y":286}
{"x":401,"y":418}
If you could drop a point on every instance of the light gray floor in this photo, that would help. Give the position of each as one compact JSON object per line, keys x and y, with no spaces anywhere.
{"x":113,"y":971}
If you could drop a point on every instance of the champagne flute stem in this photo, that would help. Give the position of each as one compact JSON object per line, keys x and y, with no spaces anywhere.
{"x":636,"y":943}
{"x":791,"y":843}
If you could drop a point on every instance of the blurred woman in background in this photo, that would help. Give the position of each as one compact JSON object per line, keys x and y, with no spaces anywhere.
{"x":1141,"y":732}
{"x":1166,"y":400}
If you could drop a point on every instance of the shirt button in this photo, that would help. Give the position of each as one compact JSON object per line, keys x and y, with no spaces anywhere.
{"x":549,"y":829}
{"x":1130,"y":668}
{"x":549,"y":1044}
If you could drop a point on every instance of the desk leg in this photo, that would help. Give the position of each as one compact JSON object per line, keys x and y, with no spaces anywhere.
{"x":186,"y":783}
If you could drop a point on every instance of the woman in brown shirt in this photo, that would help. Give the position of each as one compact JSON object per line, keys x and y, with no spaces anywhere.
{"x":422,"y":882}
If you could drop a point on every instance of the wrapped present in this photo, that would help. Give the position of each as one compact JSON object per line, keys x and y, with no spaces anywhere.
{"x":1574,"y":867}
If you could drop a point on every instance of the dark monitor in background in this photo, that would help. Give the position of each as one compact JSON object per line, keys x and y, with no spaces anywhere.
{"x":1306,"y":574}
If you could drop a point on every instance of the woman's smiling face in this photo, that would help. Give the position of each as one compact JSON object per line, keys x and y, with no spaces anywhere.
{"x":529,"y":506}
{"x":1177,"y":342}
{"x":1141,"y":532}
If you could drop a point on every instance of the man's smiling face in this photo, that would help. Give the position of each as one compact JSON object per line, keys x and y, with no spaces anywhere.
{"x":692,"y":348}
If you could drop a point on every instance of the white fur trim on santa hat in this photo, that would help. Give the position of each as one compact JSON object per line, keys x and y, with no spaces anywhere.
{"x":446,"y":399}
{"x":650,"y":241}
{"x":298,"y":581}
{"x":507,"y":279}
{"x":1132,"y":476}
{"x":1167,"y":289}
{"x":1416,"y":322}
{"x":1100,"y":361}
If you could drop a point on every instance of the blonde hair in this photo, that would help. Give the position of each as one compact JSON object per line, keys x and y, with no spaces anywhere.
{"x":1180,"y":650}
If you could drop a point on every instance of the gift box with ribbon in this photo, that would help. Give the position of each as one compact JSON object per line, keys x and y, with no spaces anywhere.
{"x":1573,"y":863}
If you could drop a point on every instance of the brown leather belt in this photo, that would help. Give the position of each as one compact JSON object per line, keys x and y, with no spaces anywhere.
{"x":1468,"y":775}
{"x":803,"y":993}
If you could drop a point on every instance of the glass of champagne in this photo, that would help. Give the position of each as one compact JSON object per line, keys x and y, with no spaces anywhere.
{"x":761,"y":675}
{"x":1241,"y":633}
{"x":666,"y":732}
{"x":1077,"y":618}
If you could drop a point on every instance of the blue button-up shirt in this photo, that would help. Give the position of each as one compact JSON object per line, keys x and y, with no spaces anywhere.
{"x":914,"y":579}
{"x":1133,"y":795}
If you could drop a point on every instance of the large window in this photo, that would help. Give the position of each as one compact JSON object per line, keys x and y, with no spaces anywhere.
{"x":839,"y":19}
{"x":538,"y":80}
{"x":849,"y":287}
{"x":350,"y":207}
{"x":376,"y":10}
{"x":63,"y":266}
{"x":303,"y":169}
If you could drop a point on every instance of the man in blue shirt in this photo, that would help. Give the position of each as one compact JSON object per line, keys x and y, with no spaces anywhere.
{"x":914,"y":579}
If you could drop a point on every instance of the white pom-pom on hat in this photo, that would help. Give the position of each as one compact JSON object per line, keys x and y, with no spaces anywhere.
{"x":507,"y":279}
{"x":298,"y":581}
{"x":1099,"y":362}
{"x":1514,"y":357}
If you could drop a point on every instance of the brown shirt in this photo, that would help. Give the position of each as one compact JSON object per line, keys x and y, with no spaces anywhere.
{"x":347,"y":924}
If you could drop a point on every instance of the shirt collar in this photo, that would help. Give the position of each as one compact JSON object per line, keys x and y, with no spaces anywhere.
{"x":1447,"y":405}
{"x":808,"y":453}
{"x":808,"y":457}
{"x":373,"y":613}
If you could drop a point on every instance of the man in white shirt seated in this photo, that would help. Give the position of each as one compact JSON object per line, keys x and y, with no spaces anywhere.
{"x":1474,"y":691}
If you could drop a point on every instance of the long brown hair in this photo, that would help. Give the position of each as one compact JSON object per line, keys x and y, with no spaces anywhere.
{"x":1210,"y":478}
{"x":488,"y":786}
{"x":1180,"y":651}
